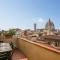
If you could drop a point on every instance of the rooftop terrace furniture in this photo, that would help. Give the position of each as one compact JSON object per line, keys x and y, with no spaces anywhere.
{"x":5,"y":55}
{"x":5,"y":50}
{"x":1,"y":41}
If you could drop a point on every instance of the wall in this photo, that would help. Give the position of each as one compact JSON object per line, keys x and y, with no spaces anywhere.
{"x":36,"y":52}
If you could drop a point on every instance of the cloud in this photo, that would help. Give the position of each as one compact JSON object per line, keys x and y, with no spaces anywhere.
{"x":40,"y":20}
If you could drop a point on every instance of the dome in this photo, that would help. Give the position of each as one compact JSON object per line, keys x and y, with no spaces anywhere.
{"x":50,"y":25}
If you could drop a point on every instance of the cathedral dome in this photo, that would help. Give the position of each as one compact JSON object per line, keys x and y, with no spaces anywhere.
{"x":50,"y":25}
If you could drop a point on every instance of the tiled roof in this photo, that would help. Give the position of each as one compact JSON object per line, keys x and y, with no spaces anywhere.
{"x":56,"y":37}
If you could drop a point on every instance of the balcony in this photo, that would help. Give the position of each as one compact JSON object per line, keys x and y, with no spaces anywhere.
{"x":31,"y":50}
{"x":37,"y":51}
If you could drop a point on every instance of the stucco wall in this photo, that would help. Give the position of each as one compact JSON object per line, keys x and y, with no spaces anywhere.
{"x":35,"y":52}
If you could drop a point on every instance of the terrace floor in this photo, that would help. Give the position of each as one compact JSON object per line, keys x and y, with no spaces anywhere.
{"x":18,"y":55}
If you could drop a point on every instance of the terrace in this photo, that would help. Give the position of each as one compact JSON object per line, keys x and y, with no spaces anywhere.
{"x":25,"y":49}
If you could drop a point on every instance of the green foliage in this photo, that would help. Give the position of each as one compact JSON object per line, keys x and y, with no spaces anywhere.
{"x":10,"y":32}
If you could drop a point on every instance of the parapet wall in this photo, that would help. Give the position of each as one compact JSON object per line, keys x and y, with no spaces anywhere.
{"x":37,"y":51}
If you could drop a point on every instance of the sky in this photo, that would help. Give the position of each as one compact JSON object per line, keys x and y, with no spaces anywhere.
{"x":24,"y":13}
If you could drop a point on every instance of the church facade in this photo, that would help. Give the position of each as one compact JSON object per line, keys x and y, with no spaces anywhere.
{"x":49,"y":28}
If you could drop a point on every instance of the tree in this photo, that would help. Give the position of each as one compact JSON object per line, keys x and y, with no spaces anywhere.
{"x":9,"y":33}
{"x":12,"y":32}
